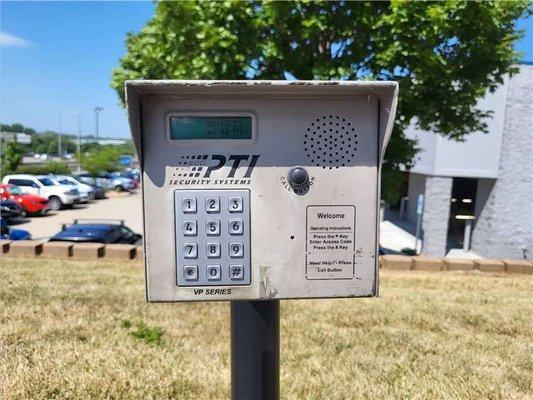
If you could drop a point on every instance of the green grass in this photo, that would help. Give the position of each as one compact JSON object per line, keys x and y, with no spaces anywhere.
{"x":81,"y":330}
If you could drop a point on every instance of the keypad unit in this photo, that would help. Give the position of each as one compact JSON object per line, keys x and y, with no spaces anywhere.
{"x":212,"y":237}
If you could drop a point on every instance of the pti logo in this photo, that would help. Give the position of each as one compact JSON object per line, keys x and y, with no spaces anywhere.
{"x":204,"y":165}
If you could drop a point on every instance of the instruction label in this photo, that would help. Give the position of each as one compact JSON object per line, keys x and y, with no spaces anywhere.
{"x":330,"y":242}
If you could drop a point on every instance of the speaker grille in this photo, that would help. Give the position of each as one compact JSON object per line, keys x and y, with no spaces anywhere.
{"x":330,"y":141}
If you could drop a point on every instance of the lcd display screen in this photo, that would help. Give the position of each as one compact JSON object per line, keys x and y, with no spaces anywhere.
{"x":200,"y":128}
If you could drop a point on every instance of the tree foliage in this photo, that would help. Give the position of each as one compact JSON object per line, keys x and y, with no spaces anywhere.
{"x":12,"y":154}
{"x":100,"y":160}
{"x":51,"y":167}
{"x":445,"y":55}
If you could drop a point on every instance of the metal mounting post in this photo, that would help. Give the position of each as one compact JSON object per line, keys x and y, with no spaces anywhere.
{"x":255,"y":350}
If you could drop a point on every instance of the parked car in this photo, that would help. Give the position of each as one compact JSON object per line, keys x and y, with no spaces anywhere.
{"x":9,"y":233}
{"x":119,"y":183}
{"x":58,"y":195}
{"x":86,"y":191}
{"x":31,"y":204}
{"x":99,"y":191}
{"x":109,"y":181}
{"x":134,"y":176}
{"x":98,"y":232}
{"x":10,"y":209}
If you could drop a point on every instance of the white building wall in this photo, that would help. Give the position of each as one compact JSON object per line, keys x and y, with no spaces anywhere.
{"x":476,"y":157}
{"x":436,"y":214}
{"x":501,"y":159}
{"x":504,"y":226}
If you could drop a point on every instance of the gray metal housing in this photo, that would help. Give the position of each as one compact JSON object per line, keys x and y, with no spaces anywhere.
{"x":336,"y":130}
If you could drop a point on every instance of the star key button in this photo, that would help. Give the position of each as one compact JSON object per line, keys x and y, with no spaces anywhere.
{"x":190,"y":272}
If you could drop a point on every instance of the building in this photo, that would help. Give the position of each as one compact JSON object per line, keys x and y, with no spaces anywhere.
{"x":488,"y":177}
{"x":18,"y":137}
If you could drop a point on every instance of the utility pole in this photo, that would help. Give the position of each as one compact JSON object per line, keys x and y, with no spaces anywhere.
{"x":97,"y":111}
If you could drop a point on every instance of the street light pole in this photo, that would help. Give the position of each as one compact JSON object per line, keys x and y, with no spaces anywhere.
{"x":78,"y":117}
{"x":97,"y":113}
{"x":59,"y":134}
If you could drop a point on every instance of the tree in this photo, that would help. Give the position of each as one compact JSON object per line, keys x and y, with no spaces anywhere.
{"x":104,"y":159}
{"x":11,"y":157}
{"x":445,"y":55}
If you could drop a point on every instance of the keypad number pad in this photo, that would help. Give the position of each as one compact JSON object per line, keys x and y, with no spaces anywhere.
{"x":212,"y":204}
{"x":213,"y":250}
{"x":188,"y":205}
{"x":236,"y":227}
{"x":212,"y":237}
{"x":236,"y":250}
{"x":235,"y":205}
{"x":189,"y":228}
{"x":190,"y":250}
{"x":212,"y":228}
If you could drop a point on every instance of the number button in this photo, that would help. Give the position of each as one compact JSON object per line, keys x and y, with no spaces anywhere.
{"x":236,"y":227}
{"x":190,"y":250}
{"x":213,"y":272}
{"x":213,"y":250}
{"x":188,"y":205}
{"x":189,"y":228}
{"x":236,"y":272}
{"x":235,"y":204}
{"x":212,"y":204}
{"x":212,"y":228}
{"x":236,"y":250}
{"x":190,"y":272}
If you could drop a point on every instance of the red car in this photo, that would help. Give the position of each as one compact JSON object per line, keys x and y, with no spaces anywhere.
{"x":30,"y":203}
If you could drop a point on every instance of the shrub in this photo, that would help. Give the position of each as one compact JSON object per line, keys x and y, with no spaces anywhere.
{"x":51,"y":167}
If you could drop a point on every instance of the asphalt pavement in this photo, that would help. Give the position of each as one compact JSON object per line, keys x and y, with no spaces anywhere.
{"x":121,"y":206}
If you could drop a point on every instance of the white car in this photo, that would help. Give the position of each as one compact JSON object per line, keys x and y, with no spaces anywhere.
{"x":86,"y":191}
{"x":58,"y":195}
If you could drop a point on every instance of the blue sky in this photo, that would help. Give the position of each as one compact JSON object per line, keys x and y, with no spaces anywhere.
{"x":60,"y":54}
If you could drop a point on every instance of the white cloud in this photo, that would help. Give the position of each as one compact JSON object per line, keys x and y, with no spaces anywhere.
{"x":9,"y":40}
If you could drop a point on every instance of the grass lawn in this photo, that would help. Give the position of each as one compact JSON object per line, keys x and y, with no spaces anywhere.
{"x":81,"y":330}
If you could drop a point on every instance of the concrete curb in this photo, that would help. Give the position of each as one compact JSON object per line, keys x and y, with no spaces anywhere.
{"x":88,"y":250}
{"x":126,"y":252}
{"x":57,"y":249}
{"x":458,"y":264}
{"x":518,"y":266}
{"x":5,"y":245}
{"x":121,"y":251}
{"x":422,"y":263}
{"x":25,"y":248}
{"x":398,"y":263}
{"x":489,"y":265}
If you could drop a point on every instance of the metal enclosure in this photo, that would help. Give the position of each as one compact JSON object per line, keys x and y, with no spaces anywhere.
{"x":217,"y":141}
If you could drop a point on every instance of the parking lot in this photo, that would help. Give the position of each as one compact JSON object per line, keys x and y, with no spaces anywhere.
{"x":121,"y":206}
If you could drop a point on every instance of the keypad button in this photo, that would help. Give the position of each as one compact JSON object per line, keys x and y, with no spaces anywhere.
{"x":213,"y":272}
{"x":190,"y":228}
{"x":212,"y":204}
{"x":212,"y":237}
{"x":213,"y":250}
{"x":190,"y":250}
{"x":235,"y":204}
{"x":190,"y":272}
{"x":188,"y":205}
{"x":236,"y":272}
{"x":236,"y":227}
{"x":212,"y":228}
{"x":236,"y":250}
